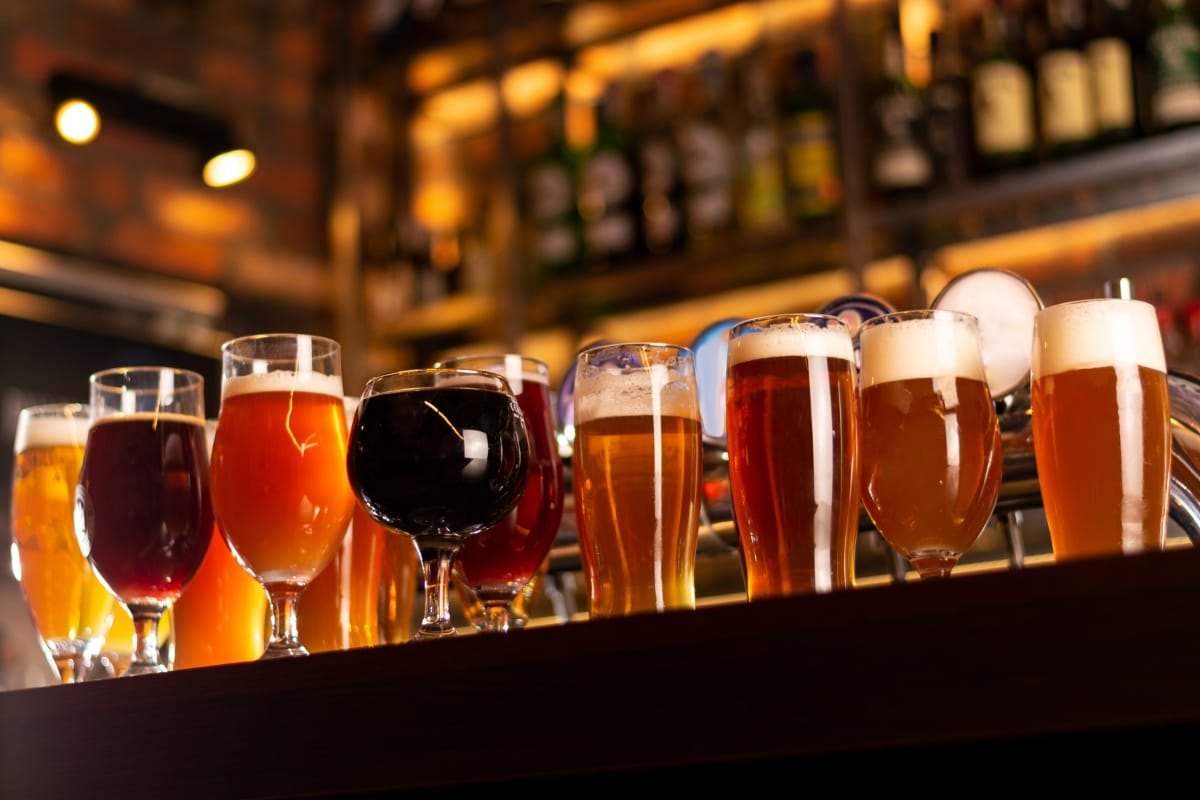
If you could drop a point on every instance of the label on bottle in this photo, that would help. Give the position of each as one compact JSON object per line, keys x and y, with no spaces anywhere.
{"x":762,"y":206}
{"x":1111,"y":68}
{"x":900,"y":161}
{"x":1002,"y":101}
{"x":707,"y":171}
{"x":1065,"y":94}
{"x":605,"y":202}
{"x":813,"y":173}
{"x":1175,"y":48}
{"x":549,"y":191}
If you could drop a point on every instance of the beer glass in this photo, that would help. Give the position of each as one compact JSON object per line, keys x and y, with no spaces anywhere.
{"x":72,"y":609}
{"x":1101,"y":427}
{"x":340,"y":608}
{"x":222,"y":617}
{"x":792,"y":427}
{"x":142,"y":509}
{"x":280,"y":491}
{"x":496,"y":565}
{"x":931,"y":452}
{"x":439,"y":455}
{"x":637,"y":464}
{"x":398,"y":578}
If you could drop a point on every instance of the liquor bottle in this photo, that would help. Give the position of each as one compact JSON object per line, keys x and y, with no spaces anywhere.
{"x":660,"y":185}
{"x":760,"y":197}
{"x":902,"y":163}
{"x":812,"y":172}
{"x":707,"y":153}
{"x":1001,"y":92}
{"x":1064,"y":82}
{"x":1112,"y":50}
{"x":548,"y":200}
{"x":608,"y":186}
{"x":1174,"y":50}
{"x":948,"y":109}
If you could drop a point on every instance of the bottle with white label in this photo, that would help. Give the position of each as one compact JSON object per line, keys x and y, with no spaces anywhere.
{"x":1001,"y":92}
{"x":1174,"y":50}
{"x":1064,"y":81}
{"x":1111,"y":52}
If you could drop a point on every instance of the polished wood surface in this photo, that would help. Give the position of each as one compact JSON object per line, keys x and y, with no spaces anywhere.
{"x":1089,"y":666}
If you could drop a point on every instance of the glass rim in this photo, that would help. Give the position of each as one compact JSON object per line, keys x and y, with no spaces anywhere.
{"x":449,"y":362}
{"x":918,"y":314}
{"x":37,"y":409}
{"x":332,"y":346}
{"x":682,"y":348}
{"x":433,"y":372}
{"x":98,"y":378}
{"x":811,"y":317}
{"x":1093,"y":301}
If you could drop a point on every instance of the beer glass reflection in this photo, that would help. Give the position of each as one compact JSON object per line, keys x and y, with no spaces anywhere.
{"x":637,"y":463}
{"x":792,"y":426}
{"x":931,"y":448}
{"x":1101,"y":427}
{"x":72,"y":609}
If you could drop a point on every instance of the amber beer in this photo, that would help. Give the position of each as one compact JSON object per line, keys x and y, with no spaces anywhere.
{"x":792,"y":431}
{"x":70,"y":606}
{"x":1101,"y":427}
{"x":931,"y":451}
{"x":400,"y":578}
{"x":637,"y":477}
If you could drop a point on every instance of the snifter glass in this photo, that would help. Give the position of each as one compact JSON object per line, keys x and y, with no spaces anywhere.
{"x":142,"y":510}
{"x":439,"y":455}
{"x":279,"y":485}
{"x":931,"y":449}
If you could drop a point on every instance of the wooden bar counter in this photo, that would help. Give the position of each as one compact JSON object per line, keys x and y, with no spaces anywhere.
{"x":1086,"y":673}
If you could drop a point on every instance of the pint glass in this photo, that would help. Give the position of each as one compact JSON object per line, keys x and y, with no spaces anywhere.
{"x":1101,"y":427}
{"x":792,"y":427}
{"x":637,"y":463}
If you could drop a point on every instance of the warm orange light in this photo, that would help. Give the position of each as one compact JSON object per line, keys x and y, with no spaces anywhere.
{"x":77,"y":121}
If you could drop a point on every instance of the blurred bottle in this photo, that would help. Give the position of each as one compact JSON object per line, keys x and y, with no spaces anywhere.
{"x":1174,"y":52}
{"x":1064,"y":82}
{"x":760,"y":197}
{"x":948,"y":108}
{"x":547,"y":198}
{"x":1001,"y":91}
{"x":607,"y":186}
{"x":660,"y":185}
{"x":1113,"y":50}
{"x":707,"y":153}
{"x":902,"y":163}
{"x":812,"y":172}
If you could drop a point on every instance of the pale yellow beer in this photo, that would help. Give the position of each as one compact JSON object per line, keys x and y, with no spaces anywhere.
{"x":72,"y":609}
{"x":1101,"y":427}
{"x":637,"y":477}
{"x":792,"y":429}
{"x":931,"y":449}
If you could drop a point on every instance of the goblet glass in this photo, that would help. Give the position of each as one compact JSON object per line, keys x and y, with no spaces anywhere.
{"x":439,"y":455}
{"x":72,"y":609}
{"x":280,"y":491}
{"x":496,"y":565}
{"x":142,"y":509}
{"x":931,"y":452}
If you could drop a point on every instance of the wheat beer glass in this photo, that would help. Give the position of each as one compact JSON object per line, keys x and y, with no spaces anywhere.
{"x":142,"y":508}
{"x":792,"y":427}
{"x":222,"y":617}
{"x":496,"y":565}
{"x":280,"y":491}
{"x":72,"y":609}
{"x":1101,"y":427}
{"x":440,"y":455}
{"x":931,"y":451}
{"x":637,"y":464}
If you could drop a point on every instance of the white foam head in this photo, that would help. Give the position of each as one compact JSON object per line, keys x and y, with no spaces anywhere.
{"x":925,"y":347}
{"x":1097,"y":333}
{"x":655,"y":389}
{"x":796,"y":339}
{"x":282,"y":381}
{"x":39,"y":430}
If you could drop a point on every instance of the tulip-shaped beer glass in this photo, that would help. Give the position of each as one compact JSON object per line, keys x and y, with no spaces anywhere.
{"x":931,"y":451}
{"x":279,"y":483}
{"x":142,"y":510}
{"x":439,"y":455}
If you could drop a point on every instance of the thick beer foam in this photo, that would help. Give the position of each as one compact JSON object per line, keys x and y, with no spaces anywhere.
{"x":50,"y":432}
{"x":919,"y":348}
{"x":1097,"y":333}
{"x":283,"y":381}
{"x":792,"y":340}
{"x":629,"y":395}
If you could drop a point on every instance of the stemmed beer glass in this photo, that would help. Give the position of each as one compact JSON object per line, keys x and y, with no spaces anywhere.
{"x":439,"y":455}
{"x":142,"y":511}
{"x":496,"y":565}
{"x":931,"y":450}
{"x":72,"y":609}
{"x":279,"y":484}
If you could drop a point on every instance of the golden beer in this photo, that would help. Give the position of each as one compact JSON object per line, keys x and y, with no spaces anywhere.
{"x":637,"y":469}
{"x":1101,"y":427}
{"x":931,"y":449}
{"x":792,"y":429}
{"x":70,"y":606}
{"x":401,"y":580}
{"x":340,"y":608}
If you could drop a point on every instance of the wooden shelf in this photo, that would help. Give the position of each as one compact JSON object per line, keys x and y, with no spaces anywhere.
{"x":1086,"y":670}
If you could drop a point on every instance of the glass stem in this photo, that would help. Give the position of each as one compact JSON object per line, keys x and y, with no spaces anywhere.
{"x":496,"y":618}
{"x":437,"y":600}
{"x":285,"y":630}
{"x":145,"y":629}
